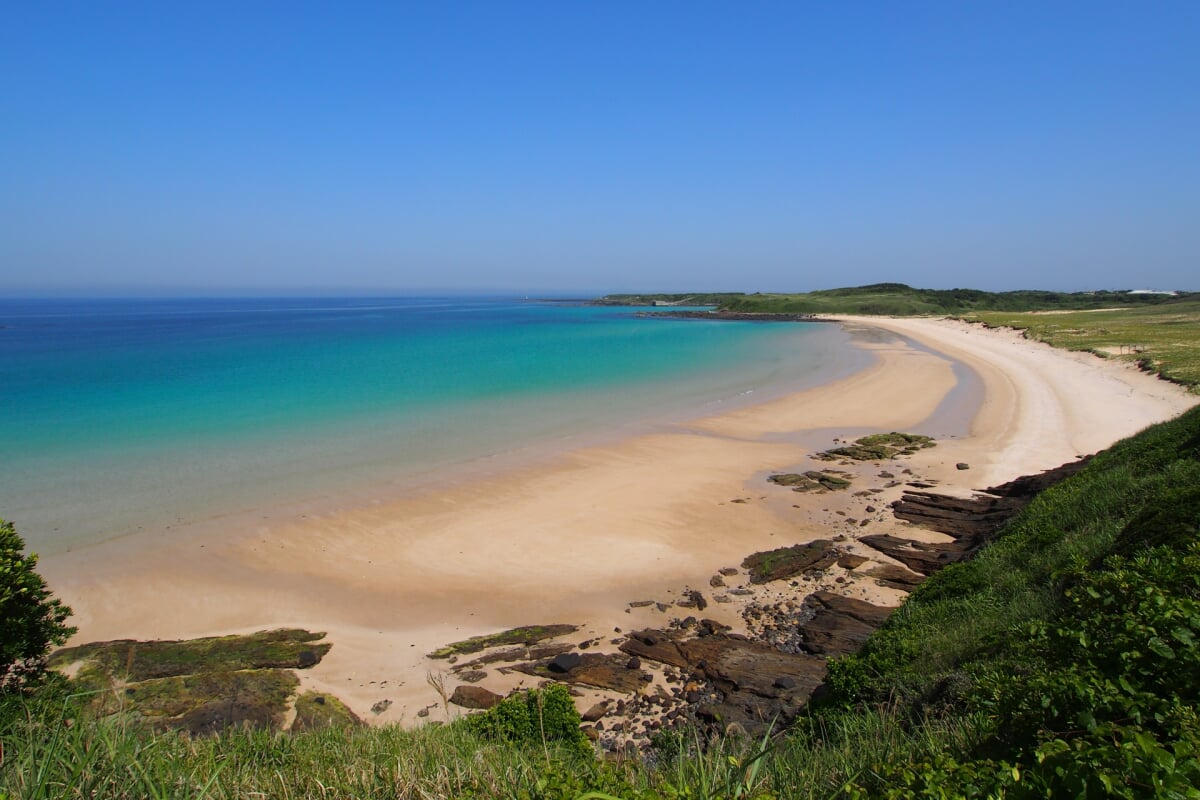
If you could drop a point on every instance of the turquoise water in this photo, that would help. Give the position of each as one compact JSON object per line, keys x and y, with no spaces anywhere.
{"x":120,"y":415}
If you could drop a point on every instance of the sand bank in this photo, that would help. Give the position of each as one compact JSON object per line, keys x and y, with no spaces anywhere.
{"x":574,"y":538}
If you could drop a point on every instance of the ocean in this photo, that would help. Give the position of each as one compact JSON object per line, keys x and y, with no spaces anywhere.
{"x":126,"y":415}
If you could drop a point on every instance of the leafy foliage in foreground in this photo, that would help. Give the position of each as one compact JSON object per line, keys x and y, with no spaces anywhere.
{"x":30,"y":619}
{"x":533,"y":716}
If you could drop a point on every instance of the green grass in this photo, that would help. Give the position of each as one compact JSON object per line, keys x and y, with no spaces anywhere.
{"x":315,"y":711}
{"x":901,"y":300}
{"x":1164,"y":339}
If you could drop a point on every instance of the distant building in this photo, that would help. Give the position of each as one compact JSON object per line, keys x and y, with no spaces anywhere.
{"x":1151,"y":291}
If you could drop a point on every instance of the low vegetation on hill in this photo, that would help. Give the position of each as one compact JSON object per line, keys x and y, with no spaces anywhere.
{"x":898,"y":299}
{"x":1163,"y":338}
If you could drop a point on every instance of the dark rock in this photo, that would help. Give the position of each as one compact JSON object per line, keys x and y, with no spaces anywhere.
{"x":307,"y":658}
{"x":923,"y":557}
{"x":640,"y":603}
{"x":728,"y":571}
{"x":656,"y":646}
{"x":474,"y":697}
{"x":471,"y":675}
{"x":708,"y":627}
{"x":716,"y":581}
{"x":787,"y":562}
{"x":784,"y":683}
{"x":565,"y":662}
{"x":962,"y":465}
{"x":596,"y":712}
{"x":811,"y":480}
{"x":512,"y":654}
{"x":599,"y":670}
{"x":381,"y":706}
{"x":839,"y":625}
{"x":633,"y":663}
{"x":851,"y":561}
{"x":895,"y":577}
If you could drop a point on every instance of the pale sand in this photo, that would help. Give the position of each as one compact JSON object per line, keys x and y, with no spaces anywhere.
{"x":575,"y":538}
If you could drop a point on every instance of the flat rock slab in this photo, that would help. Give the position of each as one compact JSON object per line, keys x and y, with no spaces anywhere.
{"x":977,"y":518}
{"x":895,"y":577}
{"x":513,"y":654}
{"x":655,"y":645}
{"x":474,"y":697}
{"x":598,"y":670}
{"x":839,"y":624}
{"x":758,"y":684}
{"x":788,"y":562}
{"x":526,"y":635}
{"x":923,"y":557}
{"x":734,"y":664}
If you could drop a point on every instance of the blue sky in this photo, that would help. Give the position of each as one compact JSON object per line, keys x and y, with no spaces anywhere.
{"x":607,"y":146}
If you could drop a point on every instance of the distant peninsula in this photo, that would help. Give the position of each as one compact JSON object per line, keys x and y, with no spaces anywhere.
{"x":898,"y":299}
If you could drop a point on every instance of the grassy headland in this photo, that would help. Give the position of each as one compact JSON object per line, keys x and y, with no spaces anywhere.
{"x":898,"y":299}
{"x":1061,"y":661}
{"x":1163,"y":338}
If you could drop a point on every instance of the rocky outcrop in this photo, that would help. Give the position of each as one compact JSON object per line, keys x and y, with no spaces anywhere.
{"x":895,"y":577}
{"x":811,"y":480}
{"x":598,"y":670}
{"x":839,"y":625}
{"x":970,"y":522}
{"x":755,"y":683}
{"x":474,"y":697}
{"x":977,"y":518}
{"x":921,"y":557}
{"x":788,"y":562}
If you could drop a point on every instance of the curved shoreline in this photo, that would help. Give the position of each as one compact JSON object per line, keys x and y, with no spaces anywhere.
{"x":575,"y":539}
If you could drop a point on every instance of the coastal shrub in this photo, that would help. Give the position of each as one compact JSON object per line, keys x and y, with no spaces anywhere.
{"x":1101,"y":700}
{"x":540,"y":716}
{"x":33,"y":621}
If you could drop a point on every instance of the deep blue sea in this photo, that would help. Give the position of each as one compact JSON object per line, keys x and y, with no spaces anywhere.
{"x":120,"y":415}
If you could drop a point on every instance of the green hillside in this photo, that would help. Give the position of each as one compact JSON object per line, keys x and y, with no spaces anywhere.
{"x":898,"y":299}
{"x":1163,"y":338}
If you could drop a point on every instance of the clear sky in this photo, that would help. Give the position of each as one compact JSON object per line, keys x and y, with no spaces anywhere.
{"x":598,"y":146}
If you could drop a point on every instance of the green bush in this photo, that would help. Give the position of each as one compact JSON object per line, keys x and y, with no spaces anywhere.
{"x":33,"y":621}
{"x":540,"y":716}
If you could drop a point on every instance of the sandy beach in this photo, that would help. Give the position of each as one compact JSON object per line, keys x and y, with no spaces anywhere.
{"x":577,"y":536}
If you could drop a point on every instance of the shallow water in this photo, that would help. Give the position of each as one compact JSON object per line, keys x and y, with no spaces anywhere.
{"x":119,"y":415}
